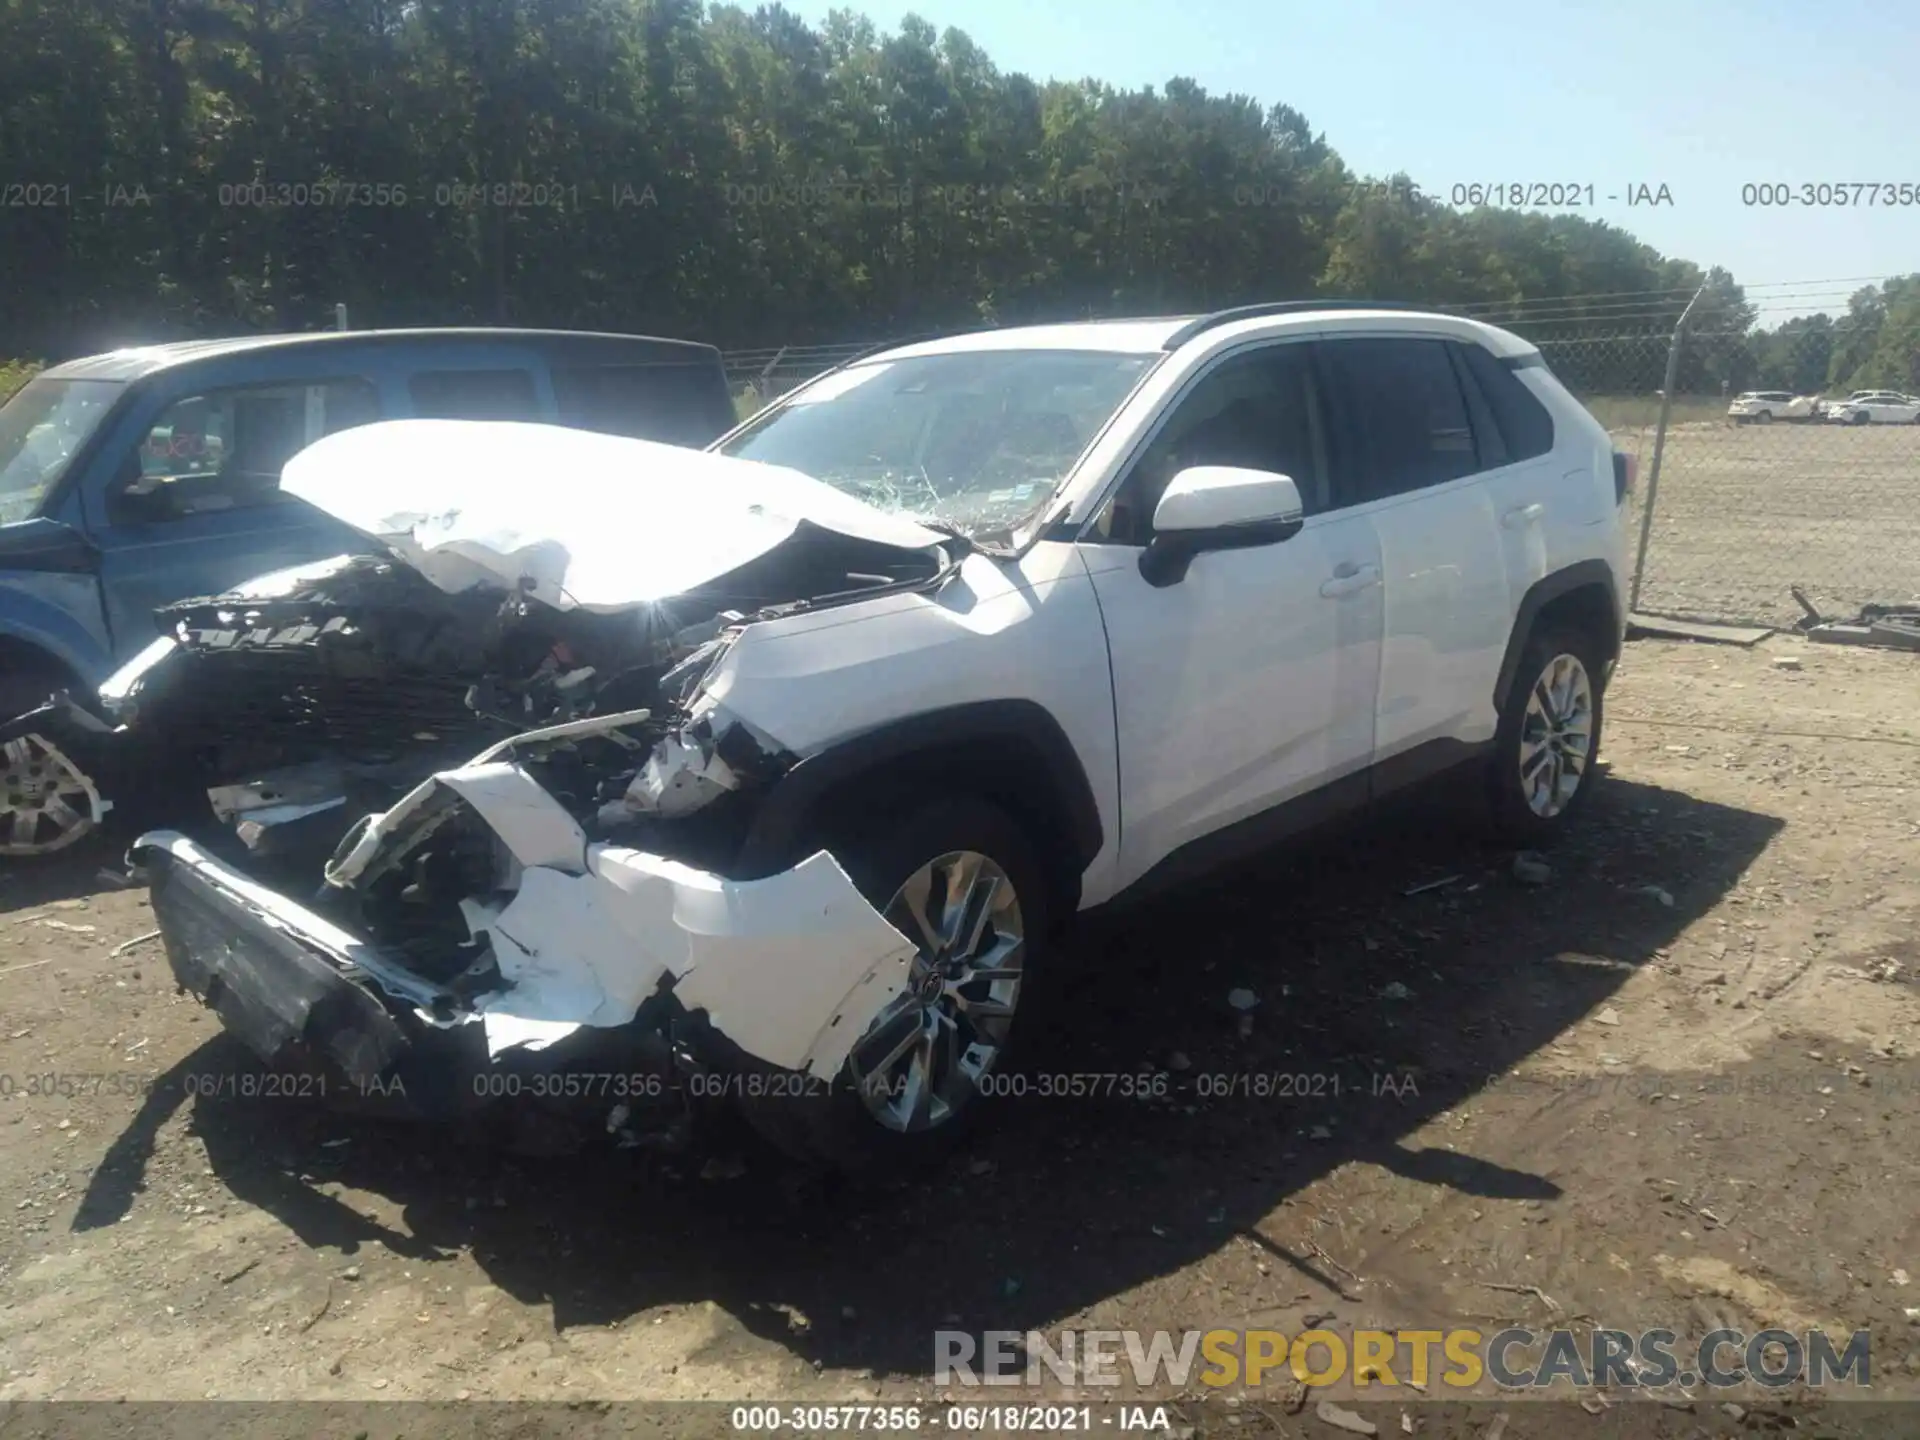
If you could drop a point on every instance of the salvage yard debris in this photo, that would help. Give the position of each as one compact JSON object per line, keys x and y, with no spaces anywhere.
{"x":1892,"y":627}
{"x":1531,"y":869}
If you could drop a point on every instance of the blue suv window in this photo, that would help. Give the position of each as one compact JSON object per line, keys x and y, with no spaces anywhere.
{"x":474,"y":395}
{"x":41,"y":429}
{"x":224,"y":450}
{"x":665,"y":401}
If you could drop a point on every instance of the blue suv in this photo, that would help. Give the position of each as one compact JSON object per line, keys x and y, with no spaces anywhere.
{"x":137,"y":478}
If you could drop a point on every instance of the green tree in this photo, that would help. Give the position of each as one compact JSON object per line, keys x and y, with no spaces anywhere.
{"x":739,"y":175}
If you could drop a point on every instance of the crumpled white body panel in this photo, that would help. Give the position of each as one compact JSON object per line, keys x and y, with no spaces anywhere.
{"x":599,"y":521}
{"x":515,"y":805}
{"x":493,"y":791}
{"x":792,"y":968}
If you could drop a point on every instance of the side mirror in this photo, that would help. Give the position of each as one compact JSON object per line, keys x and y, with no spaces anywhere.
{"x":136,"y":498}
{"x":1217,"y":507}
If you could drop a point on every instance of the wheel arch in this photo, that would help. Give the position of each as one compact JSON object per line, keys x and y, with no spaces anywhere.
{"x":24,"y":655}
{"x":1012,"y":753}
{"x":1584,"y":596}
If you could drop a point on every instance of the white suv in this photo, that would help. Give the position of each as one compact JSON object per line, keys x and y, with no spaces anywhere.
{"x":1761,"y":407}
{"x":1034,"y":620}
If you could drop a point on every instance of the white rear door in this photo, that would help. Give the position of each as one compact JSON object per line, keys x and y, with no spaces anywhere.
{"x":1402,"y":441}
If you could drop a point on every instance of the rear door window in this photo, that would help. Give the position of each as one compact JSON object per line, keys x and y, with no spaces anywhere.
{"x":474,"y":395}
{"x":1398,"y":417}
{"x":1525,"y":425}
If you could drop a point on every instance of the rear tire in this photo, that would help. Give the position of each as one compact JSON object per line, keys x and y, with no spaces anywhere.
{"x":1765,"y":417}
{"x":910,"y":1094}
{"x":1548,"y":738}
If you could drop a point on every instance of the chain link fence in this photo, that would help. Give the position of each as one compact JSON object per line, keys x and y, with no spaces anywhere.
{"x":1815,"y":487}
{"x":758,"y":376}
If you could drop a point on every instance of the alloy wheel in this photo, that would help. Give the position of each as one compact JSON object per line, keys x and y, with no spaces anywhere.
{"x":922,"y":1059}
{"x":1556,"y":736}
{"x":46,"y":801}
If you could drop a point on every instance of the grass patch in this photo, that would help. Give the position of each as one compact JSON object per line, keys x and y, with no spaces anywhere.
{"x":14,"y":374}
{"x":1632,"y":412}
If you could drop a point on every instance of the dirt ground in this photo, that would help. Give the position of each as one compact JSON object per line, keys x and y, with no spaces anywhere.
{"x":1744,"y":511}
{"x":1673,"y":1085}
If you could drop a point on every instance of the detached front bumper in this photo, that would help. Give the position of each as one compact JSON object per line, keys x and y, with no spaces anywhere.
{"x":297,"y":991}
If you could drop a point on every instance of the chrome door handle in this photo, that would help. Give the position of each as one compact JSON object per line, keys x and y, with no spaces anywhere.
{"x":1525,"y":515}
{"x":1350,"y":578}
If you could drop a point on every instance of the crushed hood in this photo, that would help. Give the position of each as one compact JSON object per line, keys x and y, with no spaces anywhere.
{"x":578,"y":518}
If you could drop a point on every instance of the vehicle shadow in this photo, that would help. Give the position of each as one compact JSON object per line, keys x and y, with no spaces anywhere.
{"x":1377,"y":1010}
{"x":79,"y":873}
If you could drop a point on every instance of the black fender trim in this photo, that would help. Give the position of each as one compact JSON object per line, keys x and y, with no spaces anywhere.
{"x":780,"y":822}
{"x":1542,"y":593}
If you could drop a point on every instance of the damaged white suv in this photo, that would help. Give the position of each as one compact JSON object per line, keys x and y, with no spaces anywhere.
{"x":804,"y":749}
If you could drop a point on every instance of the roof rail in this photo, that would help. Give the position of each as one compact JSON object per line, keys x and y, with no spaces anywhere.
{"x":1278,"y":307}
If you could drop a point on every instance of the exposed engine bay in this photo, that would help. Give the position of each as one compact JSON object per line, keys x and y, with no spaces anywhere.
{"x":510,"y":812}
{"x":296,"y":711}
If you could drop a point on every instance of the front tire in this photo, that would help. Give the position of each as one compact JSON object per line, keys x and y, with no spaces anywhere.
{"x":961,"y":880}
{"x":47,"y":793}
{"x":47,"y":800}
{"x":1548,"y":738}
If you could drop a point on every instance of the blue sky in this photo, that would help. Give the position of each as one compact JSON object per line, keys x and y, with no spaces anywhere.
{"x":1702,"y":96}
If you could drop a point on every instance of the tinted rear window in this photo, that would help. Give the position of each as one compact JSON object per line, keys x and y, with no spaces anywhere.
{"x":1525,"y":425}
{"x":474,"y":395}
{"x":677,"y":402}
{"x":1398,"y":415}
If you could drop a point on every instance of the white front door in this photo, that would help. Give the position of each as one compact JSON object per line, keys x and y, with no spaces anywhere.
{"x":1249,"y":682}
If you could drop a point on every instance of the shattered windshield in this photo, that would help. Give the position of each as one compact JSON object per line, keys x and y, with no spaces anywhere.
{"x":41,"y":429}
{"x":976,"y":441}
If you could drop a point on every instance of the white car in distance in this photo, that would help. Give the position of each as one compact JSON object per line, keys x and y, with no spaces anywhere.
{"x":1762,"y":407}
{"x":1869,"y":407}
